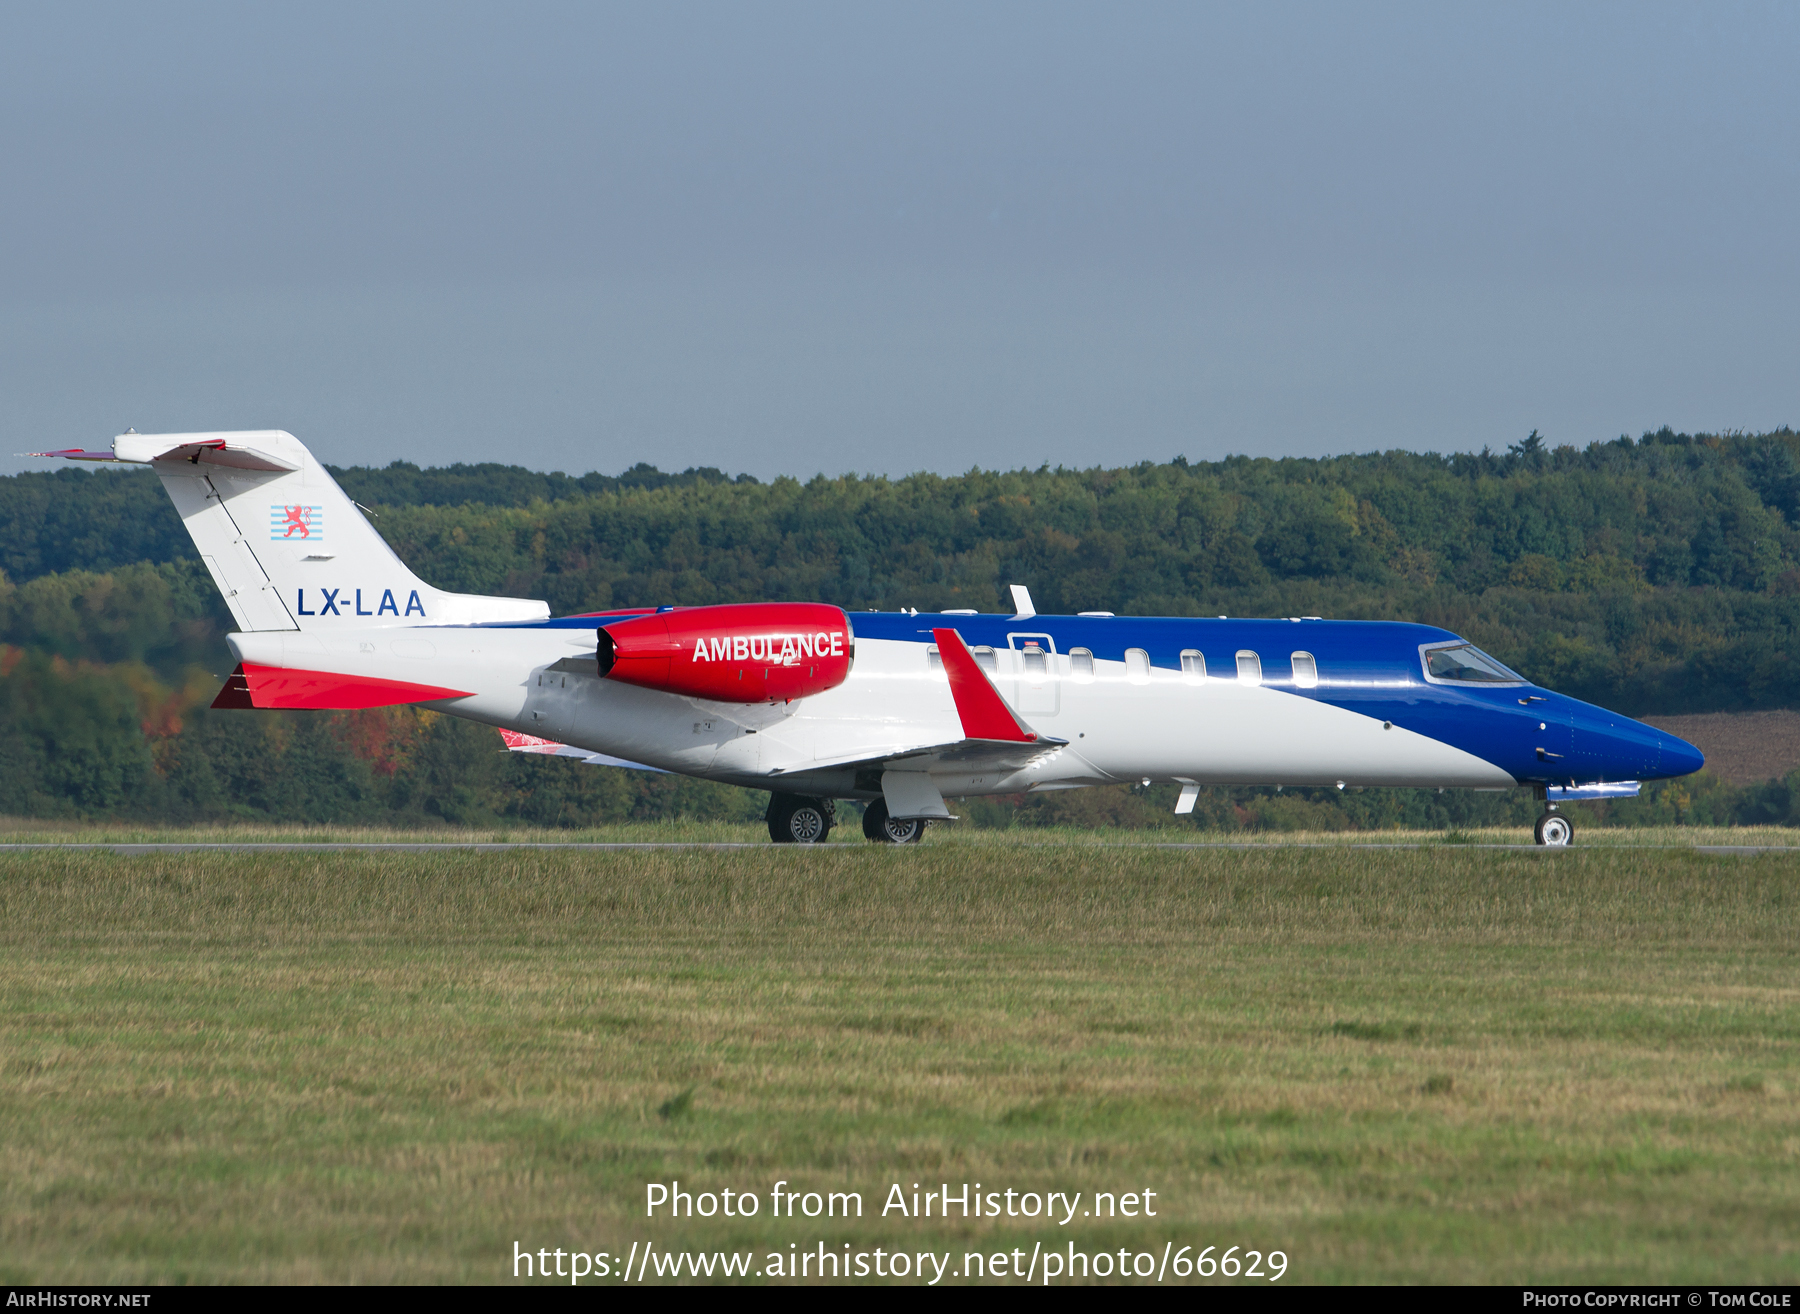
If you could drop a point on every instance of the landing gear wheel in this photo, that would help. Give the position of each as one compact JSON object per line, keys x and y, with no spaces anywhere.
{"x":1555,"y":830}
{"x":883,"y":829}
{"x":796,"y":820}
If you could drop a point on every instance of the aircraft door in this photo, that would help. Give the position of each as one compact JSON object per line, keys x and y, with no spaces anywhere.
{"x":1037,"y":684}
{"x":1552,"y":731}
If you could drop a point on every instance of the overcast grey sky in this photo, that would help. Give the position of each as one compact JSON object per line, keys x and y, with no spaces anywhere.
{"x":790,"y":238}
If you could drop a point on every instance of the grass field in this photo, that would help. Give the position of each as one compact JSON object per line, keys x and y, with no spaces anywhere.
{"x":1433,"y":1064}
{"x":22,"y":831}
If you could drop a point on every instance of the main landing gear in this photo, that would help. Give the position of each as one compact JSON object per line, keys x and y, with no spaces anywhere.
{"x":1553,"y":829}
{"x":883,"y":829}
{"x":797,"y":820}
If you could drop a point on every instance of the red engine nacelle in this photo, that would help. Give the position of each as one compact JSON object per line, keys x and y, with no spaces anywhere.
{"x":749,"y":652}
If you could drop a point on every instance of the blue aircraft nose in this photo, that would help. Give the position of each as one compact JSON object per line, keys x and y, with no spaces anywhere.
{"x":1679,"y":757}
{"x":1609,"y":746}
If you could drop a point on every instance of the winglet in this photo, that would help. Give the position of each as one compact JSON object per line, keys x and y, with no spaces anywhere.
{"x":984,"y":713}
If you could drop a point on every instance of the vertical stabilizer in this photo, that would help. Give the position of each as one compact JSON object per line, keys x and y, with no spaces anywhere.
{"x":284,"y":544}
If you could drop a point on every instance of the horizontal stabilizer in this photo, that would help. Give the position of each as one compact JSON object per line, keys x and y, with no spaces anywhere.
{"x":234,"y":451}
{"x":522,"y":743}
{"x":75,"y":454}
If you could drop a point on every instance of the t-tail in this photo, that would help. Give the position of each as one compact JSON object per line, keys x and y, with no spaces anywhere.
{"x":284,"y":544}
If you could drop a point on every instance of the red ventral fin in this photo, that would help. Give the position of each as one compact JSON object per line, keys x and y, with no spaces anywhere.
{"x":984,"y":713}
{"x":235,"y":696}
{"x":274,"y":686}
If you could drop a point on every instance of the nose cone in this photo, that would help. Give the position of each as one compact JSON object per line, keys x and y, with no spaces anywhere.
{"x":1679,"y":758}
{"x":1609,"y":746}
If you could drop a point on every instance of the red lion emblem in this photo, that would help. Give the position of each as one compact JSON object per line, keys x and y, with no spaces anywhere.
{"x":297,"y":518}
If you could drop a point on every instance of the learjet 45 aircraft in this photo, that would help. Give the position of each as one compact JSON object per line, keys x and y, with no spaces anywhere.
{"x":900,"y":709}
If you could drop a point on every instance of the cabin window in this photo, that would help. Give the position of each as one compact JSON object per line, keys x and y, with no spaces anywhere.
{"x":1036,"y":667}
{"x":1193,"y":666}
{"x":985,"y":658}
{"x":1464,"y":663}
{"x":1137,"y":666}
{"x":933,"y":658}
{"x":1249,"y":667}
{"x":1081,"y":663}
{"x":1306,"y":671}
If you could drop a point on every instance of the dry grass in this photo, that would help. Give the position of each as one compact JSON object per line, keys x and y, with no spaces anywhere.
{"x":1436,"y":1064}
{"x":17,"y":830}
{"x":14,"y":830}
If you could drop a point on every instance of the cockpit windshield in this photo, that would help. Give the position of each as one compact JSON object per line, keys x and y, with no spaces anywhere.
{"x":1465,"y":663}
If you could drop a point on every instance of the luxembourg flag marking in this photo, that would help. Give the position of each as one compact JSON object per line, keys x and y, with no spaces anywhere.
{"x":296,"y":524}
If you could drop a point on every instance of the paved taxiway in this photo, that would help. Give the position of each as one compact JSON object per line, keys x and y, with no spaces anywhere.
{"x":472,"y":847}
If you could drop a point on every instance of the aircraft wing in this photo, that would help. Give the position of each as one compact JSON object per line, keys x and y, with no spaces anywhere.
{"x":995,"y":741}
{"x":958,"y":754}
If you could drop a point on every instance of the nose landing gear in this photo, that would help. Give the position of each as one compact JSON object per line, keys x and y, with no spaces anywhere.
{"x":1553,"y":829}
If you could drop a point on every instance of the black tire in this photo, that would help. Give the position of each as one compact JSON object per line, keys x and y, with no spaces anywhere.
{"x":797,"y":820}
{"x":1554,"y":830}
{"x":881,"y":828}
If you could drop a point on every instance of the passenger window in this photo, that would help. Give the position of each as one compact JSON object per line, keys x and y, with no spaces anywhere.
{"x":1035,"y":665}
{"x":1081,"y":663}
{"x":1306,"y":671}
{"x":1137,"y":666}
{"x":1249,"y":667}
{"x":985,"y":658}
{"x":1193,"y":666}
{"x":933,"y":658}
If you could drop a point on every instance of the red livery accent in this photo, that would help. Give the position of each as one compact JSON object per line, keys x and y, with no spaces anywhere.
{"x":275,"y":686}
{"x":235,"y":696}
{"x":748,"y":652}
{"x":527,"y":743}
{"x":984,"y":713}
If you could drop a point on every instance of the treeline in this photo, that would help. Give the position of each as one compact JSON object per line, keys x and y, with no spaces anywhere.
{"x":100,"y":518}
{"x":1653,"y":575}
{"x":81,"y":740}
